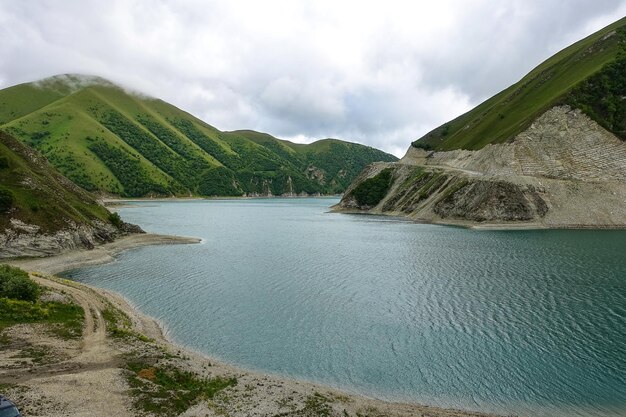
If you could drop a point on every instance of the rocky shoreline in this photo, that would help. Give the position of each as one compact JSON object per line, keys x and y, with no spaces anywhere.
{"x":565,"y":171}
{"x":98,"y":255}
{"x":25,"y":240}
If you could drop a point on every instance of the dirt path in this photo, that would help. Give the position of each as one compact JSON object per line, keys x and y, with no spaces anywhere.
{"x":94,"y":344}
{"x":93,"y":373}
{"x":95,"y":353}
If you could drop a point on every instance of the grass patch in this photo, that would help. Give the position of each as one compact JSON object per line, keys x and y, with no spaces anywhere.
{"x":453,"y":188}
{"x":38,"y":354}
{"x":5,"y":387}
{"x":119,"y":325}
{"x":4,"y":339}
{"x":169,"y":391}
{"x":68,"y":318}
{"x":316,"y":405}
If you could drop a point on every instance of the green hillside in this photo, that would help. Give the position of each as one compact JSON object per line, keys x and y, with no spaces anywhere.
{"x":108,"y":140}
{"x":33,"y":192}
{"x":589,"y":75}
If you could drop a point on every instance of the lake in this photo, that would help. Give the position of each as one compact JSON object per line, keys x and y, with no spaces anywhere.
{"x":524,"y":322}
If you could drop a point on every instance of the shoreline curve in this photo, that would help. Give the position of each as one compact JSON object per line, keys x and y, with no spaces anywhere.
{"x":154,"y":329}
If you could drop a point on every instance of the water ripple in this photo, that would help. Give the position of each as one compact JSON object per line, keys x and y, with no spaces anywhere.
{"x":526,"y":322}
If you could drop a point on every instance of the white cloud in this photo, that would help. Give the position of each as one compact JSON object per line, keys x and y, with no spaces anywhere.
{"x":380,"y":73}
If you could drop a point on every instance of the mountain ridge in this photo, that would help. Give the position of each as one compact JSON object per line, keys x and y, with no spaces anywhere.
{"x":109,"y":140}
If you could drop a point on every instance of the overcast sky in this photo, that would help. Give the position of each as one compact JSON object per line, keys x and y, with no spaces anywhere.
{"x":381,"y":73}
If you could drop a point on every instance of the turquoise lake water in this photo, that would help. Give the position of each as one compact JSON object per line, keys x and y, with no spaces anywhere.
{"x":524,"y":322}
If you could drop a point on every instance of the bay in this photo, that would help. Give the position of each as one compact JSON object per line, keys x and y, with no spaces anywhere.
{"x":524,"y":322}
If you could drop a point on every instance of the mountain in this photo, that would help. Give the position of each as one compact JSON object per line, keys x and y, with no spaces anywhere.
{"x":42,"y":212}
{"x":548,"y":151}
{"x":589,"y":75}
{"x":110,"y":140}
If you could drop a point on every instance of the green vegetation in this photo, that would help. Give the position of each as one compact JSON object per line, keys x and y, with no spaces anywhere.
{"x":15,"y":311}
{"x":19,"y":303}
{"x":589,"y":75}
{"x":118,"y":324}
{"x":15,"y":284}
{"x":601,"y":96}
{"x":169,"y":391}
{"x":6,"y":200}
{"x":219,"y":181}
{"x":107,"y":140}
{"x":35,"y":193}
{"x":154,"y":150}
{"x":116,"y":220}
{"x":128,"y":170}
{"x":317,"y":405}
{"x":372,"y":190}
{"x":416,"y":188}
{"x":37,"y":354}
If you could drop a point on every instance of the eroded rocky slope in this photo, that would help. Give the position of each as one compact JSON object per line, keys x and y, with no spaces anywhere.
{"x":43,"y":213}
{"x":565,"y":170}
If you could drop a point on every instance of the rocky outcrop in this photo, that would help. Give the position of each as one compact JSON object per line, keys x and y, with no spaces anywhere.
{"x":563,"y":171}
{"x":492,"y":201}
{"x":43,"y":213}
{"x":27,"y":240}
{"x":22,"y":239}
{"x":562,"y":144}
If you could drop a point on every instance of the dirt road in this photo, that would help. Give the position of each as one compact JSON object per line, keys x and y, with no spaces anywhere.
{"x":78,"y":370}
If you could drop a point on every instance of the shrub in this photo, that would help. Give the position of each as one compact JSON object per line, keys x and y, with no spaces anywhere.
{"x":6,"y":200}
{"x":15,"y":284}
{"x":422,"y":145}
{"x":127,"y":169}
{"x":169,"y":391}
{"x":601,"y":96}
{"x":115,"y":220}
{"x":219,"y":181}
{"x":372,"y":190}
{"x":15,"y":311}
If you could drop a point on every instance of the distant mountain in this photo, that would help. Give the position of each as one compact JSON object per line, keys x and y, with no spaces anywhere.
{"x":549,"y":151}
{"x":589,"y":75}
{"x":109,"y":140}
{"x":42,"y":212}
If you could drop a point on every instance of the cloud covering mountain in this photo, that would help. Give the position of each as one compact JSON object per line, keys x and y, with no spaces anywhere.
{"x":380,"y":73}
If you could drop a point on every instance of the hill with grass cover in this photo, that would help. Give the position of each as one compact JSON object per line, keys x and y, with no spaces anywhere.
{"x":589,"y":75}
{"x":109,"y":140}
{"x":42,"y":212}
{"x":549,"y":151}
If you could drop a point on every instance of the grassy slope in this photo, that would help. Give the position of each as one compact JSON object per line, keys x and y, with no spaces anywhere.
{"x":105,"y":139}
{"x":511,"y":111}
{"x":38,"y":194}
{"x":341,"y":161}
